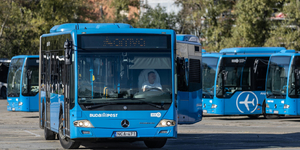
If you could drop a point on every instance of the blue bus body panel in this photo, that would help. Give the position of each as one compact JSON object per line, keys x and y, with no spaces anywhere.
{"x":55,"y":101}
{"x":30,"y":103}
{"x":189,"y":107}
{"x":106,"y":123}
{"x":245,"y":103}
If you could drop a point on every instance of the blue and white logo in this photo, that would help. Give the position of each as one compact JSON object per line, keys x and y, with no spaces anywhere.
{"x":247,"y":101}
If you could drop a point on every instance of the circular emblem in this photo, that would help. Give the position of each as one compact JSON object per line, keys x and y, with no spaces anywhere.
{"x":125,"y":107}
{"x":246,"y":102}
{"x":125,"y":123}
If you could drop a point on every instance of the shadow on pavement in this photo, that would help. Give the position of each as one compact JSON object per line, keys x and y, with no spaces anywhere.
{"x":214,"y":142}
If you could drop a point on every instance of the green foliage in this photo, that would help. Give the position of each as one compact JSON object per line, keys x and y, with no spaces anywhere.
{"x":252,"y":24}
{"x":23,"y":22}
{"x":157,"y":18}
{"x":286,"y":32}
{"x":121,"y":8}
{"x":211,"y":20}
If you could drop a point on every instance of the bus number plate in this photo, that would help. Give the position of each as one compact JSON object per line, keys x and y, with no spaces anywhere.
{"x":275,"y":111}
{"x":125,"y":134}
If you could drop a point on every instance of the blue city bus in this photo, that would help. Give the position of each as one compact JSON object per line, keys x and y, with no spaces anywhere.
{"x":282,"y":86}
{"x":22,"y":83}
{"x":234,"y":80}
{"x":112,"y":82}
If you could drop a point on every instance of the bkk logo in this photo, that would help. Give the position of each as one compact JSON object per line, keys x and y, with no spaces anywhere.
{"x":247,"y":100}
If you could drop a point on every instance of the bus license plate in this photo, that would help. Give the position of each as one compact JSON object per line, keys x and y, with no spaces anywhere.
{"x":125,"y":134}
{"x":275,"y":111}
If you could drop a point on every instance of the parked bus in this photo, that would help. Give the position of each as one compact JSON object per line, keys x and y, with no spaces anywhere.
{"x":110,"y":82}
{"x":189,"y":52}
{"x":282,"y":87}
{"x":234,"y":80}
{"x":22,"y":83}
{"x":4,"y":65}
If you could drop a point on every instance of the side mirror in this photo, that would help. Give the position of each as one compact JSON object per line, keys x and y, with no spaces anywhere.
{"x":29,"y":74}
{"x":225,"y":73}
{"x":68,"y":52}
{"x":297,"y":73}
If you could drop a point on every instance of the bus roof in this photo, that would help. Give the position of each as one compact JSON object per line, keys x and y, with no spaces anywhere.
{"x":187,"y":37}
{"x":189,"y":42}
{"x":26,"y":56}
{"x":287,"y":53}
{"x":77,"y":26}
{"x":252,"y":50}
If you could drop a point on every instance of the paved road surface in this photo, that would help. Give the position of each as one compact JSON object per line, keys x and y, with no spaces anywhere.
{"x":19,"y":130}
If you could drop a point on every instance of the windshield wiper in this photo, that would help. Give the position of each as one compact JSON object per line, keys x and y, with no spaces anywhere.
{"x":98,"y":105}
{"x":151,"y":104}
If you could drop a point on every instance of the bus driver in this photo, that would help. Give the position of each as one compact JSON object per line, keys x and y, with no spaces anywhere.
{"x":151,"y":83}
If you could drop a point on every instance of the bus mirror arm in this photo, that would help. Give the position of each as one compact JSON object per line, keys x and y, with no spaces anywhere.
{"x":225,"y":73}
{"x":297,"y":73}
{"x":68,"y":52}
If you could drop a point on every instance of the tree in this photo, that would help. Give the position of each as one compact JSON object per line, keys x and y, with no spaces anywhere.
{"x":286,"y":30}
{"x":252,"y":26}
{"x":24,"y":21}
{"x":211,"y":20}
{"x":157,"y":18}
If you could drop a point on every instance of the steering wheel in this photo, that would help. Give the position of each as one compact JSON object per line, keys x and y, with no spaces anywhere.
{"x":157,"y":89}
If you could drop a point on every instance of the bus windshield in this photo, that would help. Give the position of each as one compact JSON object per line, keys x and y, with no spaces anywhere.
{"x":30,"y":81}
{"x":209,"y":72}
{"x":14,"y":77}
{"x":241,"y":74}
{"x":294,"y":78}
{"x":277,"y":77}
{"x":124,"y":77}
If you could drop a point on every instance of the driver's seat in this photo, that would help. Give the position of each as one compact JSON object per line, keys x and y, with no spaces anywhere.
{"x":144,"y":77}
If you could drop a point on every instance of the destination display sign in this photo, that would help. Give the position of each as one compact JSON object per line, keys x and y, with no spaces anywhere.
{"x":119,"y":41}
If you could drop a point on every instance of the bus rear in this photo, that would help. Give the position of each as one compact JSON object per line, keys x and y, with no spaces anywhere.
{"x":282,"y":94}
{"x":22,"y":84}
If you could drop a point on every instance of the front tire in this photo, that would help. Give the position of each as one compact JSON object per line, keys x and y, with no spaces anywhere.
{"x":155,"y":143}
{"x":253,"y":116}
{"x":272,"y":116}
{"x":66,"y":142}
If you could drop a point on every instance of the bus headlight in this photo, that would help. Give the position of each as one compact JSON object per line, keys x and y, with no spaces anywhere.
{"x":20,"y":103}
{"x":166,"y":123}
{"x":286,"y":106}
{"x":267,"y":105}
{"x":83,"y":123}
{"x":214,"y":106}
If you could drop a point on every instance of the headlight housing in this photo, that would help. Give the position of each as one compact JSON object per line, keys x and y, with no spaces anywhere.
{"x":83,"y":123}
{"x":166,"y":123}
{"x":20,"y":103}
{"x":214,"y":106}
{"x":286,"y":106}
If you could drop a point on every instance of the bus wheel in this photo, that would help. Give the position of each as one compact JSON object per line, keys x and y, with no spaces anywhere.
{"x":155,"y":143}
{"x":66,"y":142}
{"x":3,"y":92}
{"x":253,"y":116}
{"x":49,"y":135}
{"x":272,"y":116}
